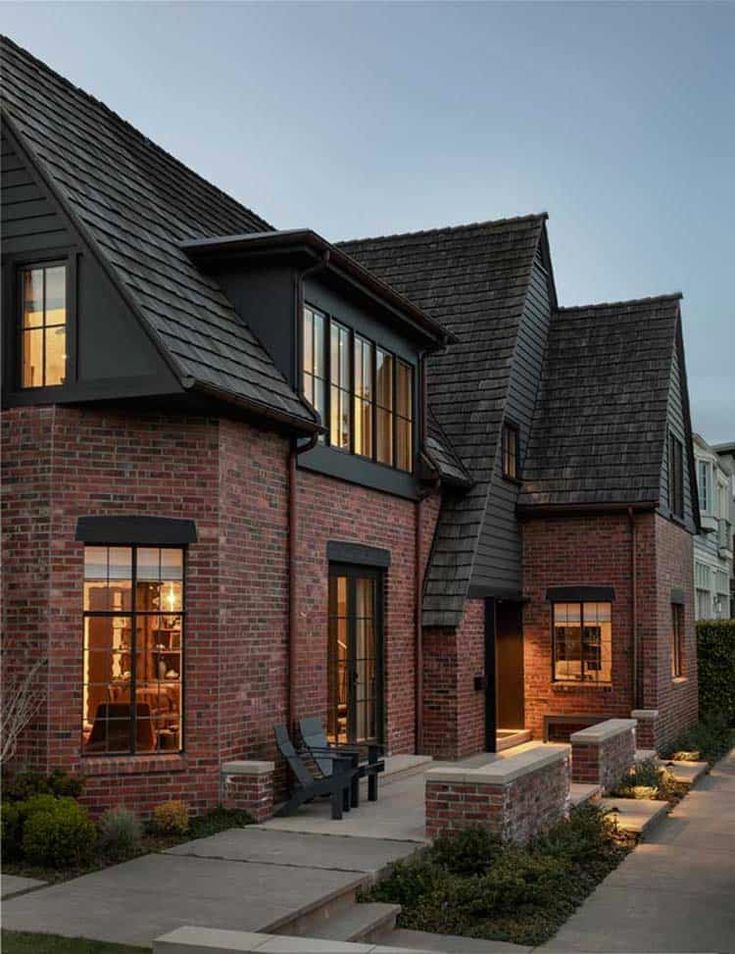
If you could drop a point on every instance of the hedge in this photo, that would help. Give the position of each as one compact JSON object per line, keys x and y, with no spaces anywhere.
{"x":716,"y":662}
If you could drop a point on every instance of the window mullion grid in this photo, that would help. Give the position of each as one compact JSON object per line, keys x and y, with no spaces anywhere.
{"x":134,"y":652}
{"x":374,"y":405}
{"x":394,"y":412}
{"x":351,"y":386}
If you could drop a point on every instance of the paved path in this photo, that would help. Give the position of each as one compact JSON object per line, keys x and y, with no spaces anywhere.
{"x":676,"y":892}
{"x":243,"y":879}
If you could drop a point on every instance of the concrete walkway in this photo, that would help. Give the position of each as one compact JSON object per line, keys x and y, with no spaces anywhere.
{"x":676,"y":892}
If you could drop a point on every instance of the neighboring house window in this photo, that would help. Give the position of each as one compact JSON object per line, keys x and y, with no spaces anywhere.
{"x":703,"y":587}
{"x":314,"y":377}
{"x":43,"y":326}
{"x":369,"y":402}
{"x":677,"y":640}
{"x":339,"y":390}
{"x":676,"y":476}
{"x":133,"y":650}
{"x":704,"y":471}
{"x":510,"y":450}
{"x":582,"y":642}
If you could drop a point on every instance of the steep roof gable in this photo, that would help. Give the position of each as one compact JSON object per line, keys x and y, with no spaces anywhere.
{"x":135,"y":204}
{"x":474,"y":279}
{"x":599,"y":430}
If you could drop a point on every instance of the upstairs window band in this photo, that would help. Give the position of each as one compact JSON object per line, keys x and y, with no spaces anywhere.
{"x":582,"y":641}
{"x":369,"y":402}
{"x":676,"y":475}
{"x":133,"y":650}
{"x":43,"y":320}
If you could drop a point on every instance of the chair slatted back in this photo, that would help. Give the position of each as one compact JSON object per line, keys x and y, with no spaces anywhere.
{"x":315,"y":737}
{"x":295,"y":762}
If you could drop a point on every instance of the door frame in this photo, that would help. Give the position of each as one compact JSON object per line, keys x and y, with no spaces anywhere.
{"x":356,"y":571}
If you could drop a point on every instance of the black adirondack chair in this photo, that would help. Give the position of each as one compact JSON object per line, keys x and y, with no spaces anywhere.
{"x":326,"y":755}
{"x":336,"y":784}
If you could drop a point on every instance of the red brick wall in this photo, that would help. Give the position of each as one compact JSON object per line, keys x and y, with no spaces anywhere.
{"x":565,"y":551}
{"x":454,"y":711}
{"x":604,"y":762}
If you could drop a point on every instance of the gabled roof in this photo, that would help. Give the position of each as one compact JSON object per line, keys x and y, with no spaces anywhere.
{"x":599,"y":430}
{"x":474,"y":280}
{"x":134,"y":204}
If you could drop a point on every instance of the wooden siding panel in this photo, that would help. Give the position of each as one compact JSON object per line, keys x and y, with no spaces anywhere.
{"x":677,"y":425}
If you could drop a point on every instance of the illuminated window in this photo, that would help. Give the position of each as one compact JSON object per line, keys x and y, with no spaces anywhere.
{"x":677,"y":640}
{"x":43,"y":326}
{"x":582,"y":642}
{"x":369,"y":402}
{"x":339,"y":390}
{"x":509,"y":450}
{"x":133,"y":650}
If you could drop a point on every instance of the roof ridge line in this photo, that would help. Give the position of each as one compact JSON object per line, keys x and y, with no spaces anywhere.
{"x":44,"y":67}
{"x":672,"y":296}
{"x":539,"y":216}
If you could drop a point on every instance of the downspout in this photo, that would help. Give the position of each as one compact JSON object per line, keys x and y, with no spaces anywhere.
{"x":293,"y":510}
{"x":635,"y":694}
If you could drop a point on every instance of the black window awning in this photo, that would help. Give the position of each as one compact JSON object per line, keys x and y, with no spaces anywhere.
{"x":581,"y":594}
{"x":357,"y":553}
{"x":136,"y":530}
{"x":678,"y":596}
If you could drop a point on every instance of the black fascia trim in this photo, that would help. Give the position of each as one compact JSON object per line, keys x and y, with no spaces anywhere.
{"x":678,"y":596}
{"x":580,"y":594}
{"x":358,"y":553}
{"x":136,"y":530}
{"x":479,"y":591}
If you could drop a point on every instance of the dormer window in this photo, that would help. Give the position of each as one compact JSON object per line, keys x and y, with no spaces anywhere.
{"x":43,"y":326}
{"x":510,"y":445}
{"x":368,"y":406}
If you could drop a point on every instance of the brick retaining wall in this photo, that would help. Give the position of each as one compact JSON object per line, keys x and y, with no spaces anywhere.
{"x":602,"y":754}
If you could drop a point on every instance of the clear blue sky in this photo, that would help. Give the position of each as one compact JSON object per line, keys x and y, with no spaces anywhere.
{"x":371,"y":118}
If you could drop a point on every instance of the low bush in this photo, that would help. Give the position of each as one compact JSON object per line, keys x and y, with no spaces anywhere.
{"x":709,"y":740}
{"x":120,"y":833}
{"x":219,"y":819}
{"x":59,"y":834}
{"x":716,"y":669}
{"x":24,"y":785}
{"x":170,"y":818}
{"x":469,"y":884}
{"x":648,"y":779}
{"x":12,"y":831}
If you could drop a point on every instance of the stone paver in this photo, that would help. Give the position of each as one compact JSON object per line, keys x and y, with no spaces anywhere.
{"x":301,"y":850}
{"x":676,"y":892}
{"x":638,"y":816}
{"x":135,"y":902}
{"x":11,"y":885}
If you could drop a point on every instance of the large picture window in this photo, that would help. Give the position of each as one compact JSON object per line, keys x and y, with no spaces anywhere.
{"x":43,"y":326}
{"x":582,"y":642}
{"x":369,"y":404}
{"x":133,"y":649}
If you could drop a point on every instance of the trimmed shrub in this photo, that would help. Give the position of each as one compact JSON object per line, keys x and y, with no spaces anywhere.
{"x":12,"y":830}
{"x":709,"y":740}
{"x":120,"y":832}
{"x":170,"y":818}
{"x":648,"y":779}
{"x":409,"y":881}
{"x":466,"y":852}
{"x":24,"y":785}
{"x":716,"y":663}
{"x":60,"y":835}
{"x":219,"y":819}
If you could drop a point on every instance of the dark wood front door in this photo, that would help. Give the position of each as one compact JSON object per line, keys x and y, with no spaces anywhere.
{"x":509,"y":662}
{"x":354,"y":654}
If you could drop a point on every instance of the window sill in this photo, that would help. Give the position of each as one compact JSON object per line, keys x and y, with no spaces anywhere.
{"x":132,"y":764}
{"x":516,"y":481}
{"x":581,"y":686}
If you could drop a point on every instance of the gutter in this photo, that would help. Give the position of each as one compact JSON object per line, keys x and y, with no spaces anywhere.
{"x":255,"y":407}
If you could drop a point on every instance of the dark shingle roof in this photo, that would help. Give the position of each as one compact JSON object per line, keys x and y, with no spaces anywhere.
{"x":600,"y":424}
{"x":444,"y":457}
{"x":135,"y":203}
{"x":474,"y":279}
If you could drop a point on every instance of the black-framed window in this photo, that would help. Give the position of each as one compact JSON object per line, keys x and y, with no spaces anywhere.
{"x":510,"y":450}
{"x":369,"y":404}
{"x":582,"y":642}
{"x":676,"y":475}
{"x":677,"y":640}
{"x":43,"y":325}
{"x":133,"y":648}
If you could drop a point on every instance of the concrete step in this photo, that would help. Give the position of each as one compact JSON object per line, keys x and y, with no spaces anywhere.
{"x":686,"y":772}
{"x":519,"y":737}
{"x":311,"y":919}
{"x":404,"y":939}
{"x":579,"y":793}
{"x":360,"y":922}
{"x":399,"y":767}
{"x":637,"y":816}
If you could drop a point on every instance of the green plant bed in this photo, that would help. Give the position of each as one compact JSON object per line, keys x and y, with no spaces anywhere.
{"x":649,"y":780}
{"x":21,"y":942}
{"x":708,"y":741}
{"x":470,"y":885}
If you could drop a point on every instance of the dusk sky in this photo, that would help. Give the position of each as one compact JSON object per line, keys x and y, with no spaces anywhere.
{"x":373,"y":118}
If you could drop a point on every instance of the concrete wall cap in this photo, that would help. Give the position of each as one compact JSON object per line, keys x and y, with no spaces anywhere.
{"x":247,"y":768}
{"x":602,"y":731}
{"x":645,"y":714}
{"x":505,"y":769}
{"x":202,"y":940}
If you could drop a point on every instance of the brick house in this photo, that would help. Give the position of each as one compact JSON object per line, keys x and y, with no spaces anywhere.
{"x":250,"y":475}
